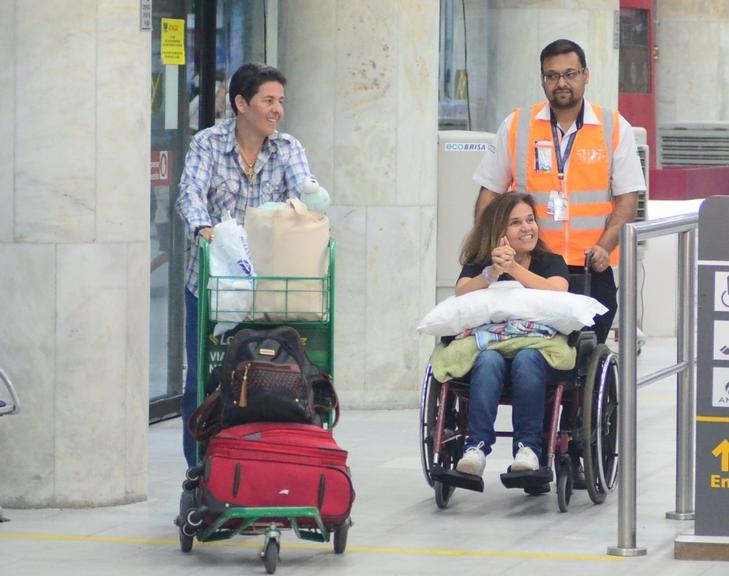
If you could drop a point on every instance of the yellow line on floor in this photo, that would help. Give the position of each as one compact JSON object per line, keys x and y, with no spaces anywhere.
{"x":363,"y":549}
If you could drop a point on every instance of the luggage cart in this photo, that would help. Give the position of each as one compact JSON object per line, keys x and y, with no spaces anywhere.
{"x":6,"y":409}
{"x":304,"y":303}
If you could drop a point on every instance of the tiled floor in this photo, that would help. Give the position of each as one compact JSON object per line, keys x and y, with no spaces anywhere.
{"x":398,"y":529}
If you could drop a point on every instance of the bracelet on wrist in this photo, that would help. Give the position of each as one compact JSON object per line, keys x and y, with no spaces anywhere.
{"x":489,"y":276}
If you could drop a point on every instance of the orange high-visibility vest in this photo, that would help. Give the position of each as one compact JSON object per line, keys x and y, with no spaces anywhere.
{"x":586,"y":180}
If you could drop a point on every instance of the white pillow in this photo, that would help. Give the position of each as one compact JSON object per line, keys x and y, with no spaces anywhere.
{"x":563,"y":311}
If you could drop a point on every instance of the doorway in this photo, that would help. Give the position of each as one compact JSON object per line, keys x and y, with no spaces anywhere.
{"x":636,"y":91}
{"x":196,"y":47}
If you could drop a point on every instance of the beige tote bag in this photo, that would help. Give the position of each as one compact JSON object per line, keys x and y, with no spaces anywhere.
{"x":292,"y":242}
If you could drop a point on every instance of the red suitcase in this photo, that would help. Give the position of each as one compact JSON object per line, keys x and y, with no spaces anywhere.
{"x":277,"y":464}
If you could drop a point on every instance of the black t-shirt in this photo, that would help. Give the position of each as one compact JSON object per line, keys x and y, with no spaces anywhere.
{"x":546,"y":265}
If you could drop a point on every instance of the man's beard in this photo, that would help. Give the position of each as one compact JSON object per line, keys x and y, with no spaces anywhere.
{"x":561,"y":104}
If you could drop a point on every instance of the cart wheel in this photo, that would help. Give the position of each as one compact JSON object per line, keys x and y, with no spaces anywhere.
{"x":187,"y":503}
{"x":564,"y":484}
{"x":185,"y":541}
{"x":340,"y":537}
{"x":270,"y":556}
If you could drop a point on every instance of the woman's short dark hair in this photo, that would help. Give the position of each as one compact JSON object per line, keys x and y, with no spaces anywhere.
{"x":248,"y":79}
{"x":562,"y":46}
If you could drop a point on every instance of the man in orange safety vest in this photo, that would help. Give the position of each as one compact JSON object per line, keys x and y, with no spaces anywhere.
{"x":579,"y":161}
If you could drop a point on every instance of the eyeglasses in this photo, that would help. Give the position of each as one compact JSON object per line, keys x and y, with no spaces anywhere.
{"x":569,"y":76}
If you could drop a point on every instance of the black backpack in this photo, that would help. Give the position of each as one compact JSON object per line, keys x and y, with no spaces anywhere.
{"x":266,"y":376}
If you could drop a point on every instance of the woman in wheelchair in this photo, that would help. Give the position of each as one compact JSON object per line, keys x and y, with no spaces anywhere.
{"x":504,"y":245}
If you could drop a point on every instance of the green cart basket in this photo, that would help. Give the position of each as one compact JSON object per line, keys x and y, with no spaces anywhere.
{"x":305,"y":303}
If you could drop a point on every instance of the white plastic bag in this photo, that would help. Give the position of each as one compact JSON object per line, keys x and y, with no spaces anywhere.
{"x":231,"y":269}
{"x":229,"y":251}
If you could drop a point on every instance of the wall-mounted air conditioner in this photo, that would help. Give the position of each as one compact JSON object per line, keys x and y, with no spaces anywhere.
{"x":693,"y":144}
{"x":459,"y":152}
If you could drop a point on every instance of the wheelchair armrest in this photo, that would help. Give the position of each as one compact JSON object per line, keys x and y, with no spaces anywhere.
{"x":585,"y":341}
{"x":573,"y":338}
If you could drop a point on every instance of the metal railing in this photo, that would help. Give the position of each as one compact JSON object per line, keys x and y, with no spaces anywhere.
{"x":685,"y":226}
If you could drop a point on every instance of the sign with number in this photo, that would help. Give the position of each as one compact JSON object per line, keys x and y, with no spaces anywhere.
{"x":145,"y":14}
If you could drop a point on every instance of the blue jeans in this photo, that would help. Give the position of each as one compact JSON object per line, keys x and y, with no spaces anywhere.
{"x":189,"y":394}
{"x":528,"y":373}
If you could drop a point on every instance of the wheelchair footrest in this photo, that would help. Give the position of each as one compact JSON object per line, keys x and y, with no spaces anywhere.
{"x":456,"y":479}
{"x":528,"y":478}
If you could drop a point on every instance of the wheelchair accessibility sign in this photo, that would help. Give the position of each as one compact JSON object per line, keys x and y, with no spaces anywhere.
{"x":720,"y":388}
{"x":721,"y":340}
{"x":721,"y":291}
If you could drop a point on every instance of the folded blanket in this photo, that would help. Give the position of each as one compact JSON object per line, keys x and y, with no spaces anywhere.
{"x":456,"y":359}
{"x":558,"y":354}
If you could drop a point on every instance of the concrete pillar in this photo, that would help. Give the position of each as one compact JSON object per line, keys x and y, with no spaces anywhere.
{"x":74,"y":251}
{"x":692,"y":81}
{"x":515,"y":33}
{"x":362,"y":98}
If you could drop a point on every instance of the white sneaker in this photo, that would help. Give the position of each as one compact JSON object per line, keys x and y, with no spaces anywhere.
{"x":473,"y":461}
{"x":525,"y":460}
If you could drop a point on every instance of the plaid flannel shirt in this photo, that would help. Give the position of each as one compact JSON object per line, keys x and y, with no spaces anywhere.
{"x":214,"y":182}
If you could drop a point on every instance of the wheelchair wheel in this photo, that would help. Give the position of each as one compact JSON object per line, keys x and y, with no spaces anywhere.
{"x":450,"y":454}
{"x":428,"y":413}
{"x":600,"y":423}
{"x":564,"y":482}
{"x":443,"y":494}
{"x":452,"y":447}
{"x":453,"y":443}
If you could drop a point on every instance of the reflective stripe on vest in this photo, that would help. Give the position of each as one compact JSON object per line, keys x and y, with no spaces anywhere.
{"x":587,"y":180}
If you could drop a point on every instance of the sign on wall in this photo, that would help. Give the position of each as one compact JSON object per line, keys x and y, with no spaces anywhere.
{"x":160,"y":167}
{"x":172,"y":45}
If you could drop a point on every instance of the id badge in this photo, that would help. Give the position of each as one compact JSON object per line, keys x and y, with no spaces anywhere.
{"x":561,"y":208}
{"x":543,"y":155}
{"x":553,"y":198}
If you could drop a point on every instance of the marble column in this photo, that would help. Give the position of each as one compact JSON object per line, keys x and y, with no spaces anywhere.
{"x":362,"y":97}
{"x":74,"y":251}
{"x":692,"y":70}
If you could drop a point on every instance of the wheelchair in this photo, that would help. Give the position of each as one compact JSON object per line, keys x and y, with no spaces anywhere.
{"x":581,"y":420}
{"x":7,"y":409}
